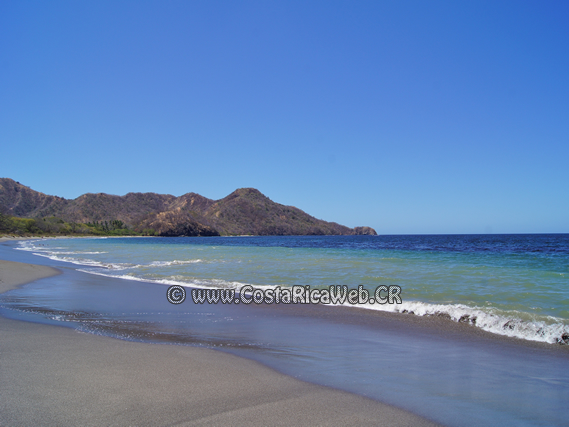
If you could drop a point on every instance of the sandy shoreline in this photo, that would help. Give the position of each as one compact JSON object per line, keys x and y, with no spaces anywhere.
{"x":56,"y":376}
{"x":13,"y":274}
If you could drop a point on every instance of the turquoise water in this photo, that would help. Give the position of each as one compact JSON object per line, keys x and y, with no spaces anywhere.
{"x":515,"y":285}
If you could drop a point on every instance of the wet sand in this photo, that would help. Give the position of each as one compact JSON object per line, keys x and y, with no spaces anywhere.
{"x":57,"y":376}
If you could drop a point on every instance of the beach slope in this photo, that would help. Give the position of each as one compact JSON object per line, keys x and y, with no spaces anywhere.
{"x":56,"y":376}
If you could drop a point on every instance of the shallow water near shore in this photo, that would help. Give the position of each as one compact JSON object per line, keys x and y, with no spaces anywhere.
{"x":451,"y":375}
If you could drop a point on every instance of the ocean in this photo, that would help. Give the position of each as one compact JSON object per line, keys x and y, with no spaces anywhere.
{"x":442,"y":365}
{"x":514,"y":285}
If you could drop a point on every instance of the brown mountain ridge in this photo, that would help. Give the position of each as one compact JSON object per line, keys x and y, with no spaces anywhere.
{"x":246,"y":211}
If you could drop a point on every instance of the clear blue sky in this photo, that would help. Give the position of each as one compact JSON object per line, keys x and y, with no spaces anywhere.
{"x":407,"y":116}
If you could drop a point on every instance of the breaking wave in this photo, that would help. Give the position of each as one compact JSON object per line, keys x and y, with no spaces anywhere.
{"x":510,"y":323}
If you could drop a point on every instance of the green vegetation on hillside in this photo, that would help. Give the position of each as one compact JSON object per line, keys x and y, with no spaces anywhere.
{"x":53,"y":226}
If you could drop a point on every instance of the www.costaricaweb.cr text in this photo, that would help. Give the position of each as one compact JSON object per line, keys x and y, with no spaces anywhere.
{"x":288,"y":295}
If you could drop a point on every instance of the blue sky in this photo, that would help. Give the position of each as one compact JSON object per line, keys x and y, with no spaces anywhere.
{"x":407,"y":116}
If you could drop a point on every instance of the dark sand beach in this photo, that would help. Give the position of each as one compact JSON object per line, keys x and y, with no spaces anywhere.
{"x":56,"y":376}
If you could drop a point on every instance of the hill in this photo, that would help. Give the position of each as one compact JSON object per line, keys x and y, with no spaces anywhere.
{"x":246,"y":211}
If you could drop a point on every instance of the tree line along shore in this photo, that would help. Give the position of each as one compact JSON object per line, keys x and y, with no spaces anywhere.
{"x":53,"y":226}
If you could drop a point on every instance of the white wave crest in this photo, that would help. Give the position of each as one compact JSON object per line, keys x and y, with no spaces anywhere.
{"x":175,"y":262}
{"x":88,"y":262}
{"x":178,"y":280}
{"x":510,"y":323}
